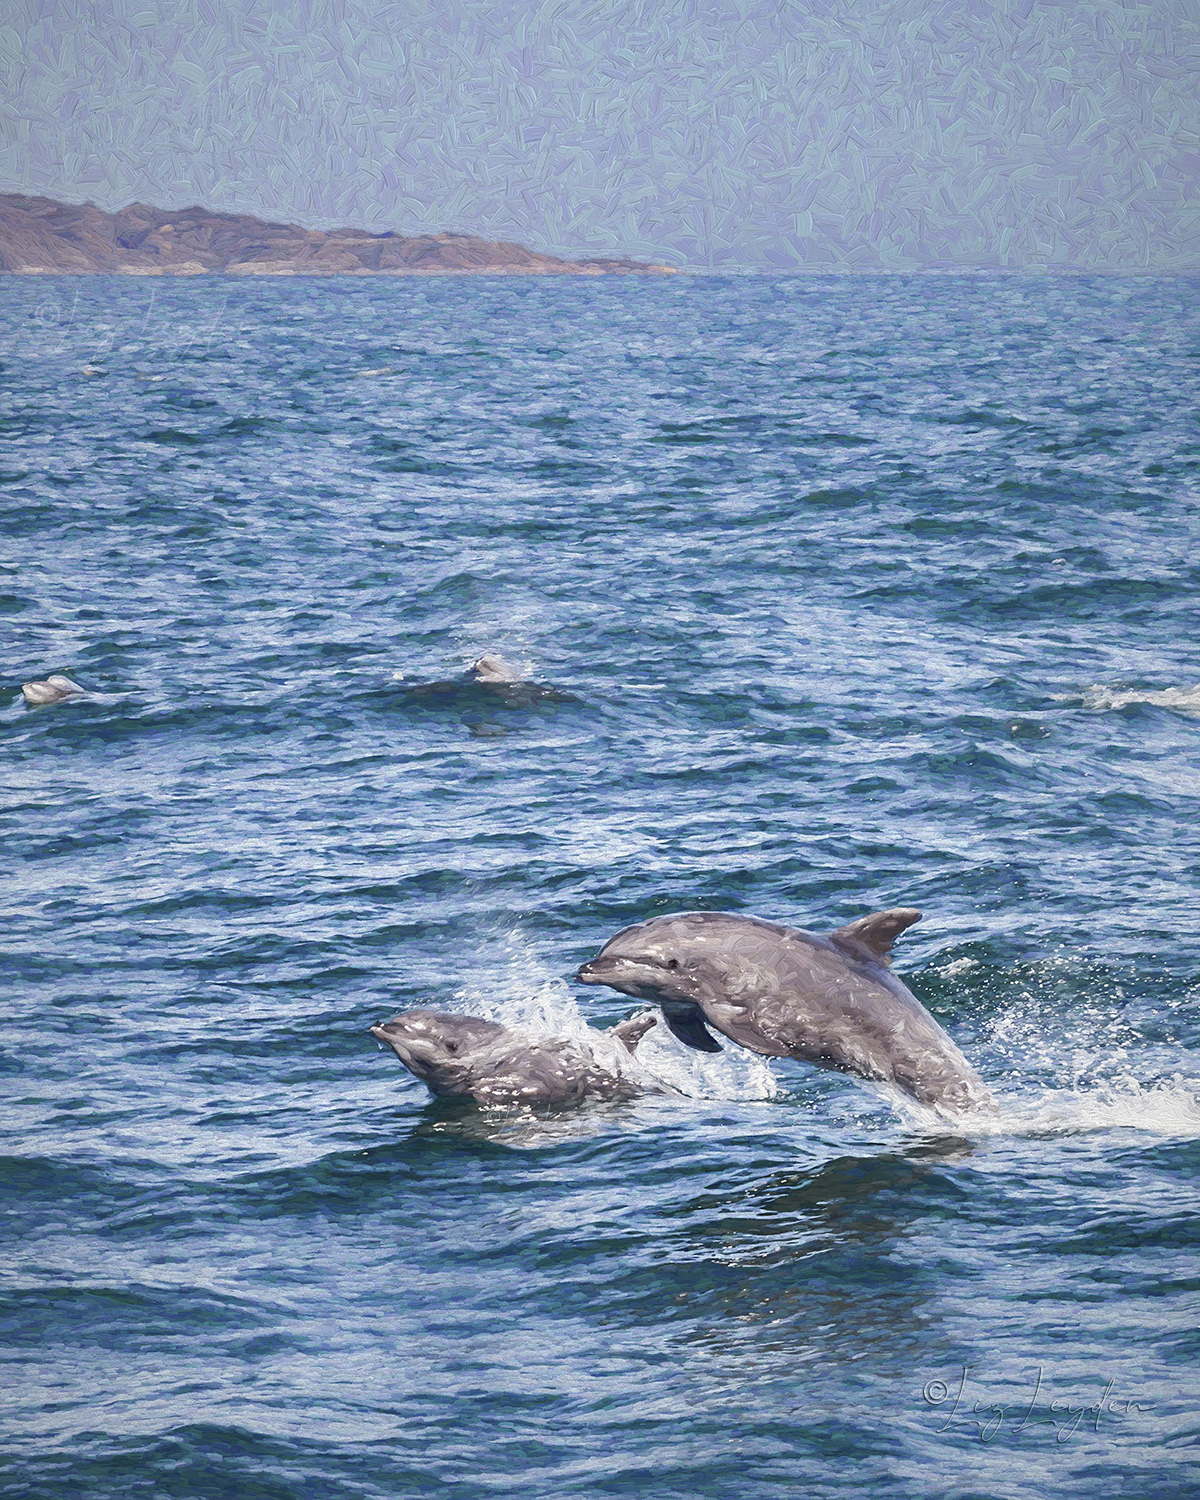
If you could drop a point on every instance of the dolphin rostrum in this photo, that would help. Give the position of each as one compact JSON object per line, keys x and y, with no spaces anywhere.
{"x":830,"y":1000}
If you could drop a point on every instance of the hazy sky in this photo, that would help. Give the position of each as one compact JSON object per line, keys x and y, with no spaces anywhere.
{"x":802,"y":133}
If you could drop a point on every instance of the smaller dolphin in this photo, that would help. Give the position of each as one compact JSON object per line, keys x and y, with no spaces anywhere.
{"x":53,"y":690}
{"x":466,"y":1057}
{"x":782,"y":992}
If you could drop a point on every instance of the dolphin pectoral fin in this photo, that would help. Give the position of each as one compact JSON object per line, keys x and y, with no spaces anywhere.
{"x":687,"y":1024}
{"x":875,"y":933}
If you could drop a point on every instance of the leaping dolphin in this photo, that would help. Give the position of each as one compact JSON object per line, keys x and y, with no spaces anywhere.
{"x":830,"y":1000}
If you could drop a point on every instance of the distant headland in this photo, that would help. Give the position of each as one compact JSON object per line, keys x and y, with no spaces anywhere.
{"x":39,"y":236}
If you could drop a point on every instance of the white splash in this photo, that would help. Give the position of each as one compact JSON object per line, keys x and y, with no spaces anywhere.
{"x":1167,"y":1107}
{"x":1099,"y":697}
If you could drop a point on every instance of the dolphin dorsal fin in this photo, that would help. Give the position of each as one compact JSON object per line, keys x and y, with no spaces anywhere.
{"x":875,"y":933}
{"x":634,"y":1028}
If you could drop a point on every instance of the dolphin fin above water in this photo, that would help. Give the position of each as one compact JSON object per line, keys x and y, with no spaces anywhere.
{"x":632,"y":1029}
{"x":875,"y":933}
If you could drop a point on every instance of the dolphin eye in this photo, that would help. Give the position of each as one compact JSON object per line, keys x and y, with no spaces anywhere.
{"x":451,"y":1046}
{"x":672,"y":963}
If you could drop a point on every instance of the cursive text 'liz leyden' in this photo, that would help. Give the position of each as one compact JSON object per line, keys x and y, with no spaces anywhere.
{"x":989,"y":1417}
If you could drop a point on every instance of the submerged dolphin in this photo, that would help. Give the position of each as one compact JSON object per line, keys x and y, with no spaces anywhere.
{"x":466,"y":1057}
{"x":493,"y":674}
{"x":832,"y":1000}
{"x":53,"y":690}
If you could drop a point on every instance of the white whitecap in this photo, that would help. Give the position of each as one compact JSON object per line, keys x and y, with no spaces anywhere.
{"x":1098,"y":697}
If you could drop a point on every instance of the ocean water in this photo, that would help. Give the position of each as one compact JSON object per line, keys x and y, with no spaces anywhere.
{"x":866,"y":592}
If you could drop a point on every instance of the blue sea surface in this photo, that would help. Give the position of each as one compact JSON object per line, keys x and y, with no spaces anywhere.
{"x":859,"y":592}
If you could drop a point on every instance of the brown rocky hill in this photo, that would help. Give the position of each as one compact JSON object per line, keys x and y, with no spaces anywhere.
{"x":38,"y":235}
